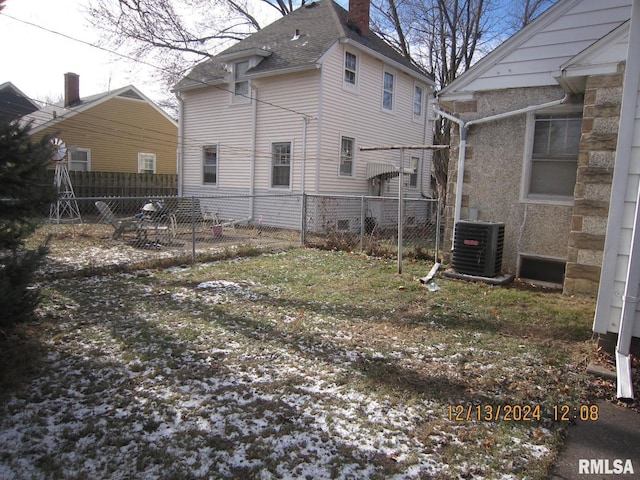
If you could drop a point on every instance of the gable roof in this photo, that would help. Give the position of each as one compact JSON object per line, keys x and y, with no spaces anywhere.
{"x":296,"y":42}
{"x":13,"y":103}
{"x":535,"y":55}
{"x":53,"y":114}
{"x":601,"y":58}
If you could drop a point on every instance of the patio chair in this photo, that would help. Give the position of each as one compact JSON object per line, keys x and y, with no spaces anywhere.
{"x":136,"y":225}
{"x":120,"y":225}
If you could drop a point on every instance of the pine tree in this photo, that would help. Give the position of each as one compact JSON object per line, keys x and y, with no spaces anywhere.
{"x":24,"y":197}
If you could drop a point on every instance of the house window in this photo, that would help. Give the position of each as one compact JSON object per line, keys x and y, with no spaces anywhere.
{"x":554,"y":156}
{"x":343,"y":225}
{"x":346,"y":157}
{"x":350,"y":63}
{"x":281,"y":165}
{"x":241,"y":83}
{"x":417,"y":101}
{"x":413,"y":177}
{"x":80,"y":159}
{"x":210,"y":164}
{"x":387,"y":94}
{"x":545,"y":270}
{"x":146,"y":163}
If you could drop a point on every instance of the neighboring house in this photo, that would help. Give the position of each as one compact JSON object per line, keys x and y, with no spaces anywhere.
{"x":117,"y":131}
{"x":13,"y":103}
{"x":562,"y":173}
{"x":287,"y":110}
{"x":539,"y":121}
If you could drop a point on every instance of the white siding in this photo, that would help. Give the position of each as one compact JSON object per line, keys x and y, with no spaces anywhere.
{"x":360,"y":115}
{"x":309,"y":109}
{"x":534,"y":56}
{"x":283,"y":103}
{"x":609,"y":308}
{"x":209,"y":119}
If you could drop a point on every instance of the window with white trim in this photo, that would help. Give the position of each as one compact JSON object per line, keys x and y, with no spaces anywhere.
{"x":387,"y":91}
{"x":240,"y":81}
{"x":346,"y":157}
{"x":146,"y":163}
{"x":210,"y":165}
{"x":553,"y":157}
{"x":350,"y":69}
{"x":281,"y":165}
{"x":413,"y":177}
{"x":417,"y":101}
{"x":80,"y":159}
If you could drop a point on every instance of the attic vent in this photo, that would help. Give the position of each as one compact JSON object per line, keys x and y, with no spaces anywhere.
{"x":311,"y":5}
{"x":131,"y":94}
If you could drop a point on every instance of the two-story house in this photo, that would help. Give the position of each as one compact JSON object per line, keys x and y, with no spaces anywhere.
{"x":287,"y":109}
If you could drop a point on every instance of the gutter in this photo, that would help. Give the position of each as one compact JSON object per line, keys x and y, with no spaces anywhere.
{"x":464,"y":130}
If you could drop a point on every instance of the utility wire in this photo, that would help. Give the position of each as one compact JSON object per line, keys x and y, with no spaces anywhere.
{"x":162,"y":69}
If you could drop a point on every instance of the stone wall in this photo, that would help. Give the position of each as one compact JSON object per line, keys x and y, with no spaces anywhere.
{"x":593,"y":183}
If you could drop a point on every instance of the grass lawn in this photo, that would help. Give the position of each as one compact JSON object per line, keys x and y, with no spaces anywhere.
{"x":299,"y":364}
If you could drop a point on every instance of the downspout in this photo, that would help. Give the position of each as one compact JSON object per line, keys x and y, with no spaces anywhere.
{"x":625,"y":140}
{"x":464,"y":130}
{"x":252,"y":165}
{"x":180,"y":150}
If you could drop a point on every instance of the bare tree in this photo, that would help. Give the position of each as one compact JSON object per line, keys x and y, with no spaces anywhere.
{"x":174,"y":35}
{"x":445,"y":38}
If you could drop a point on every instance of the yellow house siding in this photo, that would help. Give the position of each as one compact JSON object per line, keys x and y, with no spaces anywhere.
{"x":115,"y":131}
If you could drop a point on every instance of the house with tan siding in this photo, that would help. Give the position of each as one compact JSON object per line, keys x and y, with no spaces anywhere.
{"x":116,"y":131}
{"x":535,"y":129}
{"x":547,"y":143}
{"x":287,"y":110}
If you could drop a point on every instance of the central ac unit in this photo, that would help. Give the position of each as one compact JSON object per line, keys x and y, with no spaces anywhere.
{"x":477,"y":248}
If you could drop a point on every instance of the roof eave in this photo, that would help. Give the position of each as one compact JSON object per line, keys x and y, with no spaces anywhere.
{"x":284,"y":71}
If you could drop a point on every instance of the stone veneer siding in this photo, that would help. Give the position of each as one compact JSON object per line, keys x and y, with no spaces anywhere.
{"x":587,"y":220}
{"x":601,"y":117}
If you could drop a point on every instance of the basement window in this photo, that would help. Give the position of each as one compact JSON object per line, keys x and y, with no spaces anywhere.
{"x":542,"y":270}
{"x":343,"y":225}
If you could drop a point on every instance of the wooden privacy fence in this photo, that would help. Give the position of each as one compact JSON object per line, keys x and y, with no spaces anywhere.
{"x":116,"y":184}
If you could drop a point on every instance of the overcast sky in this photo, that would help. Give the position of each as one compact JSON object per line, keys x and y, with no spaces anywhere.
{"x":35,"y":60}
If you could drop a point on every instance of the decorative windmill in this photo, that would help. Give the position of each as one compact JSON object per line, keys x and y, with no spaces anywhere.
{"x":65,"y":207}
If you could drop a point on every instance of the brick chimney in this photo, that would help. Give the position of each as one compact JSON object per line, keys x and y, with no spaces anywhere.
{"x":358,"y":18}
{"x":71,"y":89}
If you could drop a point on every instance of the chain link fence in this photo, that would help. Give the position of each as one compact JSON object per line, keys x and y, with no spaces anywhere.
{"x":194,"y":226}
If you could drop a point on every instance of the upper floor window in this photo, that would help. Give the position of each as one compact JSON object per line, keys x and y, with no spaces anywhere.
{"x":281,"y":165}
{"x":387,"y":93}
{"x":241,"y":82}
{"x":417,"y":101}
{"x":346,"y":157}
{"x":553,"y":160}
{"x":350,"y":65}
{"x":210,"y":164}
{"x":80,"y":159}
{"x":146,"y":163}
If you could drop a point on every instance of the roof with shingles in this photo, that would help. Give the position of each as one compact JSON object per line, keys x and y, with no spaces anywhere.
{"x":320,"y":25}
